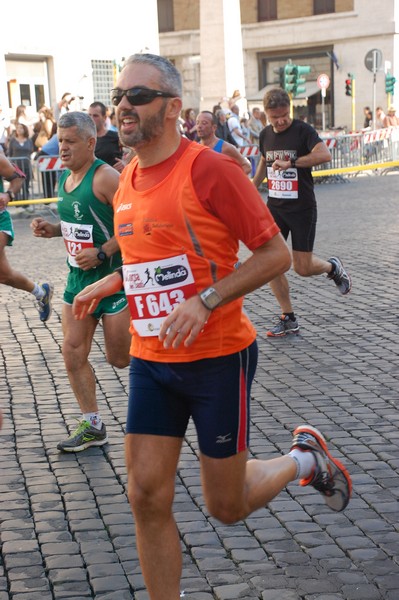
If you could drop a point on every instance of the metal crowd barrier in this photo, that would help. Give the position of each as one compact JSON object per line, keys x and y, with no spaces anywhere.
{"x":365,"y":148}
{"x":373,"y":150}
{"x":42,"y":175}
{"x":25,"y":164}
{"x":48,"y":170}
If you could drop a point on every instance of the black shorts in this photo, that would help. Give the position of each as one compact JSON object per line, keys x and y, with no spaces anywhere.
{"x":301,"y":225}
{"x":215,"y":392}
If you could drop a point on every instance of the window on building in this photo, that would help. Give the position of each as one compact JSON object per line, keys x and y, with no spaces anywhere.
{"x":24,"y":90}
{"x":39,"y":95}
{"x":103,"y":80}
{"x":322,"y":7}
{"x":267,"y":10}
{"x":166,"y":20}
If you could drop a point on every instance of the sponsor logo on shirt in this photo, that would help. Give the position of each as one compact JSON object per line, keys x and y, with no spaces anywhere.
{"x":76,"y":210}
{"x":123,"y":207}
{"x":125,"y":229}
{"x":174,"y":274}
{"x":82,"y":234}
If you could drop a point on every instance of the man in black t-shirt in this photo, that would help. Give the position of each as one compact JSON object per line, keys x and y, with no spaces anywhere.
{"x":108,"y":147}
{"x":289,"y":149}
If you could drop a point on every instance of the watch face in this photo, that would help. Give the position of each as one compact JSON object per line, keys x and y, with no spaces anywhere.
{"x":101,"y":255}
{"x":210,"y":298}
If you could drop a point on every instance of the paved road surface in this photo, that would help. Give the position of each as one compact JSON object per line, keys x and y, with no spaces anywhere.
{"x":65,"y":525}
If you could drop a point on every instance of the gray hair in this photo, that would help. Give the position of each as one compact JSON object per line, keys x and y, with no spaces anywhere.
{"x":82,"y":121}
{"x":171,"y":78}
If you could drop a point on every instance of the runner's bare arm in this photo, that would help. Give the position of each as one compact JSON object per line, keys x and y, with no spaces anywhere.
{"x":88,"y":299}
{"x":320,"y":154}
{"x":105,"y":183}
{"x":188,"y":319}
{"x":230,"y":150}
{"x":44,"y":229}
{"x":260,"y":172}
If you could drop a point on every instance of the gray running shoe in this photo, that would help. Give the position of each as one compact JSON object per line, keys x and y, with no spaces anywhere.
{"x":329,"y":477}
{"x":283,"y":327}
{"x":83,"y":437}
{"x":340,"y":277}
{"x":44,"y":305}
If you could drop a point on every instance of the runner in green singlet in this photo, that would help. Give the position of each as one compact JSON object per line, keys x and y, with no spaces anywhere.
{"x":86,"y":191}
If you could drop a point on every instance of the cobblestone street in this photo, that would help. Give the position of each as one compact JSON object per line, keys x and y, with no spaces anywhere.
{"x":66,"y":528}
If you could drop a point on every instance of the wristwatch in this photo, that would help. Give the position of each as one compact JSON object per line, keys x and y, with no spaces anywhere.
{"x":293,"y":163}
{"x":210,"y":298}
{"x":11,"y":195}
{"x":101,"y":254}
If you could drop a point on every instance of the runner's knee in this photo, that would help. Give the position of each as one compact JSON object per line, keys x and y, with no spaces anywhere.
{"x":118,"y":359}
{"x":75,"y":355}
{"x":149,"y":502}
{"x":302,"y":270}
{"x":225,"y":511}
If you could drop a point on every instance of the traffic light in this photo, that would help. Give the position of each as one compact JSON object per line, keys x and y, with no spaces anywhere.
{"x":299,"y":80}
{"x":289,"y":78}
{"x":280,"y":73}
{"x":348,"y":85}
{"x":293,"y":80}
{"x":389,"y":83}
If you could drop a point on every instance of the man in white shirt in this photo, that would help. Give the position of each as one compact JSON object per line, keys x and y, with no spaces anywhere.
{"x":233,"y":123}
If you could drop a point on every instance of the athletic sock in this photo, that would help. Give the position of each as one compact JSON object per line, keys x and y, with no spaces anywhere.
{"x":38,"y":291}
{"x":305,"y":462}
{"x":94,"y":419}
{"x":291,"y":316}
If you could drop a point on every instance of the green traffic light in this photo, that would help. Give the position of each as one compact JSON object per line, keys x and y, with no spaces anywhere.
{"x":390,"y":81}
{"x":293,"y":82}
{"x":303,"y":70}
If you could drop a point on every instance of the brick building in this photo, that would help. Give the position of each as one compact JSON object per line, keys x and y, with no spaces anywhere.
{"x":82,"y":50}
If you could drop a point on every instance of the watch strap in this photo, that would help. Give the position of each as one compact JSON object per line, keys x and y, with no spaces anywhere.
{"x":101,"y":254}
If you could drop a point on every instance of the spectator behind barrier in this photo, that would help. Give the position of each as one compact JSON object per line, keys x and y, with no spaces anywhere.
{"x":49,"y":178}
{"x":20,"y":149}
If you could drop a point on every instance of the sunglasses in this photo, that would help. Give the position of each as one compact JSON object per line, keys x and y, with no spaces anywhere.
{"x":138,"y":96}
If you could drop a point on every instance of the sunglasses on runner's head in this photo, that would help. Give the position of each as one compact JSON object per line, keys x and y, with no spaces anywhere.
{"x":138,"y":95}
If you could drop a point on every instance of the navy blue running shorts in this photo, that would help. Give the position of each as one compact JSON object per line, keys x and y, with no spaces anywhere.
{"x":301,"y":225}
{"x":215,"y":392}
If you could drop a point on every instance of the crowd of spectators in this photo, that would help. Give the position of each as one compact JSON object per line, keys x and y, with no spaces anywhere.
{"x":29,"y":135}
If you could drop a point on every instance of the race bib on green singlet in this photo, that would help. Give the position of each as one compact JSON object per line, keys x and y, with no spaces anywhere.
{"x":77,"y":237}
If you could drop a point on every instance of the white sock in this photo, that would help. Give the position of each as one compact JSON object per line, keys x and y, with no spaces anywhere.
{"x":38,"y":292}
{"x":94,"y":419}
{"x":305,"y":462}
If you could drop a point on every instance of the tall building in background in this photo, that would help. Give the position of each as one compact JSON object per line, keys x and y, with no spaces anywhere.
{"x":218,"y":45}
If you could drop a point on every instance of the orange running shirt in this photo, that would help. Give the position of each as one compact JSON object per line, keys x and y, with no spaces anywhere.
{"x":178,"y":226}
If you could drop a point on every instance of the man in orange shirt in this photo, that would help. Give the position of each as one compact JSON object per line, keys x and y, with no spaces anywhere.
{"x":180,"y":212}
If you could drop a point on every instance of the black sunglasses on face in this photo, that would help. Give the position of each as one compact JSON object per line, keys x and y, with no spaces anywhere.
{"x":138,"y":95}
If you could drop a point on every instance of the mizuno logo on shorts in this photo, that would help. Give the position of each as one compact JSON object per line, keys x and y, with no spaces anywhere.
{"x":223,"y":439}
